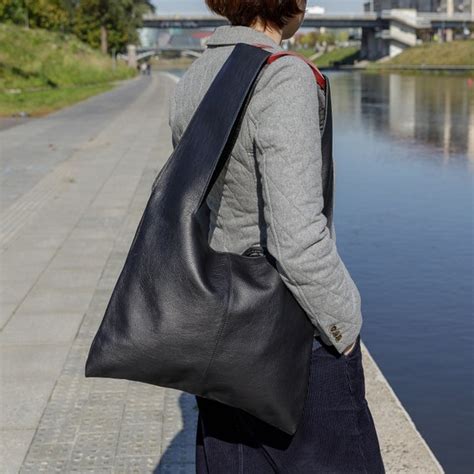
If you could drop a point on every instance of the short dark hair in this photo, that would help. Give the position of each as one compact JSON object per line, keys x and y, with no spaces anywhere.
{"x":245,"y":12}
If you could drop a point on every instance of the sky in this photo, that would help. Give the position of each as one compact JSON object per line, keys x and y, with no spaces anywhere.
{"x":198,"y":6}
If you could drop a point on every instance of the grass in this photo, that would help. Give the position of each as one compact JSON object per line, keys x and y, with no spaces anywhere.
{"x":38,"y":103}
{"x":337,"y":56}
{"x":332,"y":58}
{"x":455,"y":53}
{"x":430,"y":55}
{"x":306,"y":52}
{"x":42,"y":71}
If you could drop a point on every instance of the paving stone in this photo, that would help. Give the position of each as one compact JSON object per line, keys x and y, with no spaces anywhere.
{"x":99,"y":385}
{"x":22,"y":406}
{"x":72,"y":388}
{"x":47,"y":299}
{"x":143,"y":391}
{"x":94,"y":450}
{"x":6,"y":312}
{"x":41,"y":328}
{"x":63,"y":262}
{"x":135,"y":464}
{"x":27,"y":256}
{"x":44,"y":465}
{"x":145,"y":415}
{"x":179,"y":453}
{"x":71,"y":278}
{"x":140,"y":439}
{"x":13,"y":446}
{"x":97,"y":419}
{"x":56,"y":433}
{"x":50,"y":451}
{"x":59,"y":408}
{"x":144,"y":408}
{"x":13,"y":291}
{"x":15,"y":273}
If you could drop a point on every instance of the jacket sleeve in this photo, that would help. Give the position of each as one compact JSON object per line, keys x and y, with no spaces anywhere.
{"x":287,"y":143}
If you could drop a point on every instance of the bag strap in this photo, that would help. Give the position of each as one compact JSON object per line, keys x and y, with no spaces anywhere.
{"x":233,"y":136}
{"x":273,"y":57}
{"x":204,"y":146}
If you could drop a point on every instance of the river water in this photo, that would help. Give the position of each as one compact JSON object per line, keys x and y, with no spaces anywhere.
{"x":404,"y":158}
{"x":404,"y":152}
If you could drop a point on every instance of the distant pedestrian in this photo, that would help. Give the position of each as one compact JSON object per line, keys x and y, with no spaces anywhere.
{"x":277,"y":191}
{"x":148,"y":68}
{"x":143,"y":68}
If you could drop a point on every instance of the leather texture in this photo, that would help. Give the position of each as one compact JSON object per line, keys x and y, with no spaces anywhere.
{"x":220,"y":325}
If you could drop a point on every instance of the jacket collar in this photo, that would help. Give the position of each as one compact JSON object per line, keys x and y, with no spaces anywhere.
{"x":232,"y":34}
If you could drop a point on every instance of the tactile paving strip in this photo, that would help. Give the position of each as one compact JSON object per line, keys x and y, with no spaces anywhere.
{"x":107,"y":425}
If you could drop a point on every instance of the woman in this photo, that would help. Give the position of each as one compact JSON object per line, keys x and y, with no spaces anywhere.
{"x":271,"y":193}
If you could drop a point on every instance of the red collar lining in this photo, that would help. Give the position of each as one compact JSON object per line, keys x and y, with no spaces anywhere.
{"x":317,"y":73}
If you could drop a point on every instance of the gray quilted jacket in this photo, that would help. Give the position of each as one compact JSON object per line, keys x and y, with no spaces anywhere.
{"x":271,"y":190}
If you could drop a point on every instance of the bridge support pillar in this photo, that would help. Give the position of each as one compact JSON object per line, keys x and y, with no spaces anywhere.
{"x":132,"y":56}
{"x":373,"y":46}
{"x":401,"y":34}
{"x":449,"y":10}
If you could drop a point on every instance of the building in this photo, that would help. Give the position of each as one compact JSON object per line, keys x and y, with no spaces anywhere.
{"x":316,"y":10}
{"x":458,"y":6}
{"x":420,"y":5}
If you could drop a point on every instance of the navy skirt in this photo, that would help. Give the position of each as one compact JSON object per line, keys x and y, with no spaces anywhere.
{"x":336,"y":433}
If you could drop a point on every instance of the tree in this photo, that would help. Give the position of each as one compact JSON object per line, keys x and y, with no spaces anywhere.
{"x":110,"y":24}
{"x":48,"y":14}
{"x":309,"y":39}
{"x":13,"y":11}
{"x":104,"y":24}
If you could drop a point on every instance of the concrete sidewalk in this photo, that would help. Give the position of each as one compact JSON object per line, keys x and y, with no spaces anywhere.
{"x":73,"y":187}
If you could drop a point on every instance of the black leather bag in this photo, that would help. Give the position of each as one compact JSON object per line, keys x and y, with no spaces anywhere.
{"x":215,"y":324}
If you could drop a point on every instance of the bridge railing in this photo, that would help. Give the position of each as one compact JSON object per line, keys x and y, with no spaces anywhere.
{"x":411,"y":18}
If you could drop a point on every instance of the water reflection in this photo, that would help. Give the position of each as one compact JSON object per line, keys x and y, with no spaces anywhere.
{"x":435,"y":111}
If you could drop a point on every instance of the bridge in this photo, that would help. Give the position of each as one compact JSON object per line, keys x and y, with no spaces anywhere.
{"x":143,"y":53}
{"x":212,"y":21}
{"x":419,"y":20}
{"x":385,"y":33}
